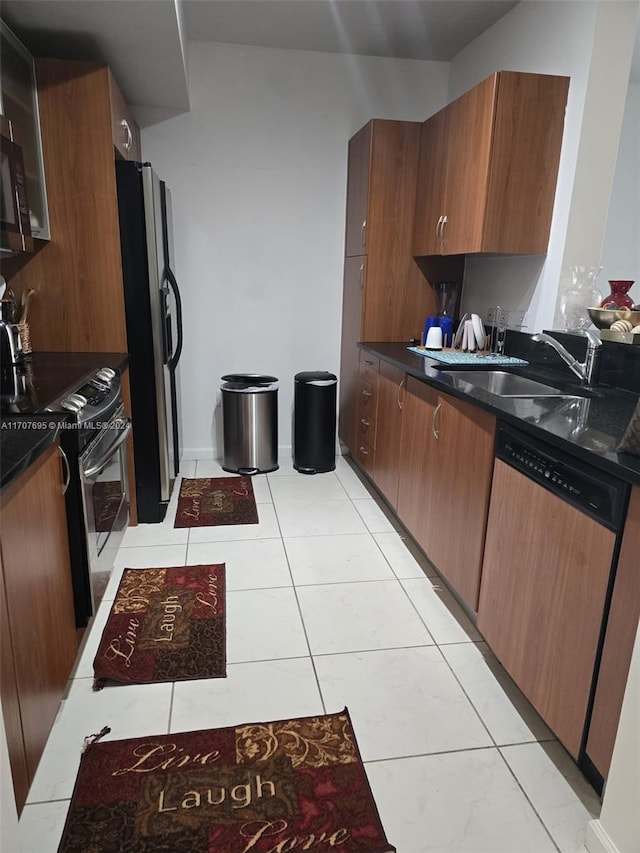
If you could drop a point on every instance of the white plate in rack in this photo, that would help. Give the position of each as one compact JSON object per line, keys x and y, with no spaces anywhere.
{"x":479,"y":331}
{"x":457,"y":340}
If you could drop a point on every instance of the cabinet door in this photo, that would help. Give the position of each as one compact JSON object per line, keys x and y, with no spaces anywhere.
{"x":431,"y":185}
{"x":359,"y":160}
{"x":35,"y":557}
{"x":391,"y":390}
{"x":622,"y":625}
{"x":11,"y":705}
{"x":354,"y":272}
{"x":124,"y":128}
{"x":469,"y":127}
{"x":459,"y":498}
{"x":544,"y":581}
{"x":416,"y":458}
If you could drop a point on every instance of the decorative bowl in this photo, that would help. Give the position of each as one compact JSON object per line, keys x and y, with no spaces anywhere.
{"x":602,"y":318}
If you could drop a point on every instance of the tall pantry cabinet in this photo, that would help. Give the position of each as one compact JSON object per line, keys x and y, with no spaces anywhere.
{"x":385,"y":296}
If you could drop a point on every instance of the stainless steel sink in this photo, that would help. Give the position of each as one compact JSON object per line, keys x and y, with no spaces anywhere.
{"x":504,"y":384}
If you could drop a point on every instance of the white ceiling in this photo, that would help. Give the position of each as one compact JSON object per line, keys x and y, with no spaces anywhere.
{"x":143,"y":40}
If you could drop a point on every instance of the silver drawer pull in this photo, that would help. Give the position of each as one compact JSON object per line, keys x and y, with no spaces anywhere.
{"x":366,"y":424}
{"x":367,"y":394}
{"x":364,"y":452}
{"x":434,"y":420}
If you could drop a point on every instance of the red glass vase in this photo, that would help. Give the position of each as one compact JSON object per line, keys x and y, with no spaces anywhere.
{"x":618,"y":296}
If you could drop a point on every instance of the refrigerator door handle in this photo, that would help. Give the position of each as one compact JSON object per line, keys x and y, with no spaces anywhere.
{"x":172,"y":362}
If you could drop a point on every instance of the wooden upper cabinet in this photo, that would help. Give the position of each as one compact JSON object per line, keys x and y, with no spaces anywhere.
{"x":358,"y":191}
{"x":124,"y":128}
{"x":432,"y":185}
{"x":496,"y":150}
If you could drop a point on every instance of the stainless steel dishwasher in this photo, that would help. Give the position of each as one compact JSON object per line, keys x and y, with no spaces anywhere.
{"x":552,"y":540}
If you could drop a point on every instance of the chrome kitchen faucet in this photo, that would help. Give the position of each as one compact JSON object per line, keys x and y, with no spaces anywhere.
{"x":587,"y":370}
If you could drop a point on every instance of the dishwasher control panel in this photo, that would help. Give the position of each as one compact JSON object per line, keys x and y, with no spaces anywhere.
{"x":595,"y":492}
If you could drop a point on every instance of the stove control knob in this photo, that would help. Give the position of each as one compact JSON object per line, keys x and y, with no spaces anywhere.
{"x":78,"y":399}
{"x":71,"y":405}
{"x":106,"y":374}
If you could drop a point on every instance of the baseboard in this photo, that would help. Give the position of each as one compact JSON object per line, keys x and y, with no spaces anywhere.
{"x":596,"y":839}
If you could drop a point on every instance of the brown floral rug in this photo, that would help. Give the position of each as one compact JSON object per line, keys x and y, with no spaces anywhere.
{"x":291,"y":785}
{"x":165,"y":625}
{"x":210,"y":501}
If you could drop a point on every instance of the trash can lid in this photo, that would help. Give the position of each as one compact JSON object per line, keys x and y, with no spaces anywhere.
{"x":316,"y":377}
{"x":249,"y":382}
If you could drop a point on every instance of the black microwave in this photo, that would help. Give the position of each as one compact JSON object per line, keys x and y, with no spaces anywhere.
{"x":15,"y":226}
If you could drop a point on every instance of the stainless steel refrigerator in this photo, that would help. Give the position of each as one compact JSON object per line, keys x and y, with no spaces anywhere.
{"x":154,"y":333}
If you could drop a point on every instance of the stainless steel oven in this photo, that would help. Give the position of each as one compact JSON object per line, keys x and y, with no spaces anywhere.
{"x":93,"y":437}
{"x":104,"y":490}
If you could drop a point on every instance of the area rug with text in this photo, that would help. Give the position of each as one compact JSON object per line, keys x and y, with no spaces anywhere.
{"x":290,"y":785}
{"x":165,"y":625}
{"x":209,"y":501}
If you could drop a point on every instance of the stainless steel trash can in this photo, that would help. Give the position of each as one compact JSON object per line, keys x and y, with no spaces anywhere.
{"x":250,"y":423}
{"x":314,"y":432}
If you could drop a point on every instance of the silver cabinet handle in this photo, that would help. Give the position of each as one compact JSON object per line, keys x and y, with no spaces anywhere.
{"x":365,"y":423}
{"x":128,"y":141}
{"x":361,"y":276}
{"x":400,"y":387}
{"x":444,"y":222}
{"x":67,"y":470}
{"x":438,"y":224}
{"x":363,"y":232}
{"x":434,"y":420}
{"x":363,"y":452}
{"x":367,"y":394}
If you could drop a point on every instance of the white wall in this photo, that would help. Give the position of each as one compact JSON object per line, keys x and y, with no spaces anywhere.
{"x":257,"y":171}
{"x":621,"y":250}
{"x":556,"y":38}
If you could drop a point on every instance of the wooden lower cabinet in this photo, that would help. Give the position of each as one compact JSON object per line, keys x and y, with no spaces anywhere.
{"x":446,"y":461}
{"x":39,"y":640}
{"x":391,"y":387}
{"x":622,"y":625}
{"x":544,"y":582}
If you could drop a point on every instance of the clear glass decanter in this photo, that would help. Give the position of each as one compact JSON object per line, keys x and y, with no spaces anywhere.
{"x":580,"y":295}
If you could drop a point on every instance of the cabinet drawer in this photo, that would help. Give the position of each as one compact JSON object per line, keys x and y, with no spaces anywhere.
{"x":367,"y":400}
{"x":369,"y":368}
{"x":367,"y":428}
{"x":364,"y":455}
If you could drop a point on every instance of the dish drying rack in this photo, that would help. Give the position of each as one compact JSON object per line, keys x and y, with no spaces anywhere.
{"x":492,"y":353}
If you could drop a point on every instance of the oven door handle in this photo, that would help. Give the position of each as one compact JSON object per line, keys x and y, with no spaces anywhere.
{"x":102,"y":463}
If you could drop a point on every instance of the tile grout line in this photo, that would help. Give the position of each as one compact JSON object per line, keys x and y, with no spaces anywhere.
{"x":295,"y":592}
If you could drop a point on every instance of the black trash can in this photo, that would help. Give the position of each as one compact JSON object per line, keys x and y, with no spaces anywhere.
{"x":250,"y":423}
{"x":314,"y":417}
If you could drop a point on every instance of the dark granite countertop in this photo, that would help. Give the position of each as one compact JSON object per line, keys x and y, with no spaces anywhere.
{"x":24,"y":432}
{"x":588,"y":427}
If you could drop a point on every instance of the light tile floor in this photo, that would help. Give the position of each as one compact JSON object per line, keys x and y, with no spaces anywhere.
{"x":329,"y":606}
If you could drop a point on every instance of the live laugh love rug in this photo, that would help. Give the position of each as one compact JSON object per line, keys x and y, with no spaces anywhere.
{"x":165,"y":625}
{"x":291,"y":785}
{"x":211,"y":501}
